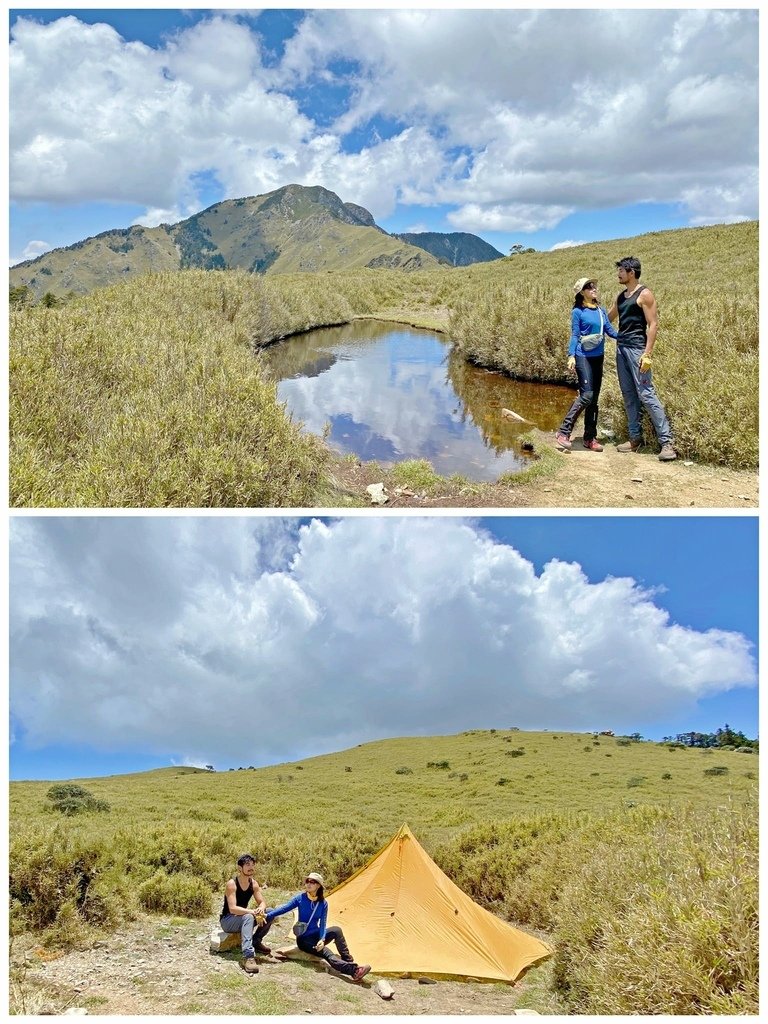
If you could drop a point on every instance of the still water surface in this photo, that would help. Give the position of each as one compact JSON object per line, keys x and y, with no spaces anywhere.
{"x":391,"y":393}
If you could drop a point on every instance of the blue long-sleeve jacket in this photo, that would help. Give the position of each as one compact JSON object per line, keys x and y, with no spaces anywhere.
{"x":587,"y":321}
{"x":316,"y":929}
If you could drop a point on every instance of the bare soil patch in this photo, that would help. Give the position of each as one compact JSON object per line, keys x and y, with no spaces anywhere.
{"x":160,"y":965}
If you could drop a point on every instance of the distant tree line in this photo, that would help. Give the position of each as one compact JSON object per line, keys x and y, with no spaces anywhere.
{"x":725,"y":737}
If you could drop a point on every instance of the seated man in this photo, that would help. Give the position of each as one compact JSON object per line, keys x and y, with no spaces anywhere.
{"x":236,"y":916}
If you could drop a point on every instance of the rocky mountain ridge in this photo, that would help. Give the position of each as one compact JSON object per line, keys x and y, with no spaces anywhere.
{"x":292,"y":229}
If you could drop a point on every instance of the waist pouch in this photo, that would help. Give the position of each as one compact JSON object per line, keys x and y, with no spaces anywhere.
{"x":590,"y":341}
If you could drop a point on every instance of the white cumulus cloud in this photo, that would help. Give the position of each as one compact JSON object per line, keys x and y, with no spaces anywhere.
{"x":499,"y":113}
{"x":568,"y":244}
{"x":155,"y":634}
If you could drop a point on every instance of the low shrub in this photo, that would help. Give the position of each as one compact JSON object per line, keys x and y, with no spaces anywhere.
{"x":240,"y":813}
{"x":183,"y":895}
{"x":403,"y":771}
{"x":70,"y":799}
{"x":717,"y":769}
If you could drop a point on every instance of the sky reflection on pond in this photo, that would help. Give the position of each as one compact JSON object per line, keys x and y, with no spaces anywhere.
{"x":391,"y":393}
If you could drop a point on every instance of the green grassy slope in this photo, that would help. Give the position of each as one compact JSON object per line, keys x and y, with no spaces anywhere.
{"x":562,"y":772}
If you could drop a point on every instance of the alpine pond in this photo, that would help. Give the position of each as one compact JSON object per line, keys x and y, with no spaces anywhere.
{"x":387,"y":393}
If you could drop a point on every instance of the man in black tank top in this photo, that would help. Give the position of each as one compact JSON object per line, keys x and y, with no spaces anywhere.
{"x":236,"y":916}
{"x":638,"y":324}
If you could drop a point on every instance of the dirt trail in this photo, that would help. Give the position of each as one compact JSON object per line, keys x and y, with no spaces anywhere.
{"x":163,"y":966}
{"x":578,"y":479}
{"x":612,"y":479}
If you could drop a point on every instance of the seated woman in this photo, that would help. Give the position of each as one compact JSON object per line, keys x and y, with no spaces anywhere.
{"x":311,"y":931}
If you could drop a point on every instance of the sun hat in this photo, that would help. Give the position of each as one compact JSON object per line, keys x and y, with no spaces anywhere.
{"x":581,"y":282}
{"x":316,"y":877}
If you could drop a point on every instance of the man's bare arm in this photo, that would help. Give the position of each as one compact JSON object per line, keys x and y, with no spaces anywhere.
{"x":647,"y":302}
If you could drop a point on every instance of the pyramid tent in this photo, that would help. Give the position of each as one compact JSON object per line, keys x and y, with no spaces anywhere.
{"x":403,"y":915}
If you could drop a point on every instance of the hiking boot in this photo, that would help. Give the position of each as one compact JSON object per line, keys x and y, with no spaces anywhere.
{"x":361,"y":972}
{"x":631,"y":445}
{"x":563,"y":441}
{"x":261,"y":948}
{"x":667,"y":453}
{"x":250,"y":966}
{"x":593,"y":445}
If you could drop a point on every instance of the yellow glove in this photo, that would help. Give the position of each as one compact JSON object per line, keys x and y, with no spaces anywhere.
{"x":571,"y":363}
{"x":645,"y":362}
{"x":260,"y":919}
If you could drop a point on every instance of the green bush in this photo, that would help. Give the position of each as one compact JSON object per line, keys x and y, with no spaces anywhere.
{"x":183,"y":895}
{"x":403,"y":771}
{"x":67,"y":791}
{"x":70,"y":799}
{"x":65,"y":882}
{"x":718,"y":769}
{"x":240,"y":814}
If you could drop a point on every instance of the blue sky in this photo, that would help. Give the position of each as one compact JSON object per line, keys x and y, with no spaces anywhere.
{"x":138,"y":642}
{"x":543,"y":127}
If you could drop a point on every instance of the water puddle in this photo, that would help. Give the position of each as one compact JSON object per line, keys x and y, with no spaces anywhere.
{"x":391,"y":393}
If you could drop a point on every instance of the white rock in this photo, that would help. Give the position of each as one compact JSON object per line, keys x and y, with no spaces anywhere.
{"x":384,"y":989}
{"x":377,"y":493}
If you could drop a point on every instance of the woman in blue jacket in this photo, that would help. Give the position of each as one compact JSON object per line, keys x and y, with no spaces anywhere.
{"x":586,"y":351}
{"x":312,"y":932}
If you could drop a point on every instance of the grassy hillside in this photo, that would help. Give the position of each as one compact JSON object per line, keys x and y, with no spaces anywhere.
{"x":555,"y":772}
{"x":593,"y":839}
{"x":100,"y":386}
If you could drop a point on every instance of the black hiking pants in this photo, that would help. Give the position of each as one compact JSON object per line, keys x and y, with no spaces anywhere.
{"x":343,"y":963}
{"x":589,"y":371}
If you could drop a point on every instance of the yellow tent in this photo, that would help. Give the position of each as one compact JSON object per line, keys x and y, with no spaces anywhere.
{"x":403,"y":915}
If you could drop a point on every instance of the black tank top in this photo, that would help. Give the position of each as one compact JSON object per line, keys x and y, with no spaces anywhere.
{"x":242,"y":897}
{"x":632,"y":323}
